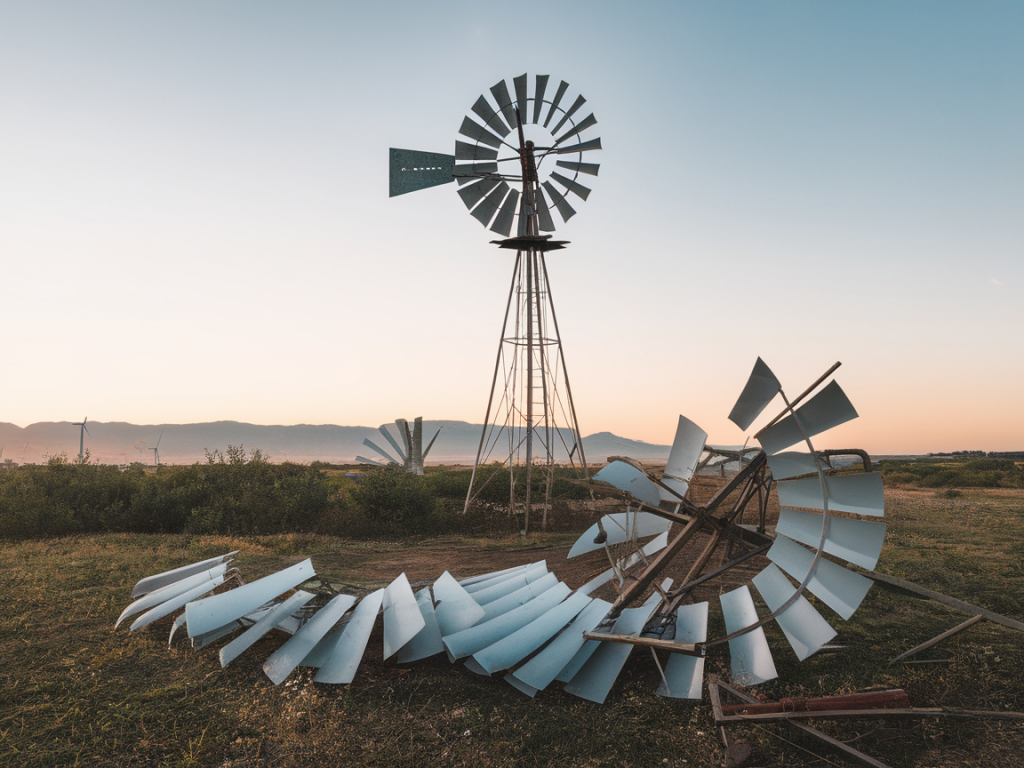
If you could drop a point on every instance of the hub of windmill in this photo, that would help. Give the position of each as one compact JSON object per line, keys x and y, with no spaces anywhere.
{"x":527,"y":242}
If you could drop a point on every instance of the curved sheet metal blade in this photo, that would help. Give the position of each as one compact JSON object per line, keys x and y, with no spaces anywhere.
{"x":485,"y":592}
{"x":473,"y":130}
{"x":503,"y":221}
{"x":587,"y":168}
{"x":519,"y":83}
{"x":245,"y":641}
{"x":521,"y":596}
{"x":761,"y":388}
{"x":410,"y":170}
{"x":171,"y":591}
{"x":456,"y":609}
{"x":184,"y":599}
{"x":855,"y":541}
{"x":490,"y":205}
{"x":586,"y":146}
{"x":341,"y":667}
{"x":684,"y":674}
{"x":160,"y":580}
{"x":473,"y":193}
{"x":402,"y":617}
{"x":370,"y":444}
{"x":619,"y":527}
{"x":579,"y":128}
{"x":538,"y":97}
{"x":791,"y":464}
{"x":556,"y":101}
{"x":428,"y":641}
{"x":491,"y":118}
{"x":803,"y":626}
{"x":544,"y":213}
{"x":364,"y":460}
{"x":654,"y":545}
{"x":829,"y":408}
{"x":687,"y":447}
{"x":861,"y":494}
{"x":470,"y":172}
{"x":631,"y":480}
{"x":500,"y":93}
{"x":752,"y":661}
{"x":566,"y":210}
{"x":840,"y":589}
{"x":471,"y":580}
{"x":285,"y":659}
{"x":403,"y":455}
{"x":474,"y":152}
{"x":573,"y":186}
{"x":580,"y":101}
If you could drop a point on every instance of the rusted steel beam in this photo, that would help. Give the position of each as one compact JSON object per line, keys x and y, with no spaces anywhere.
{"x":948,"y":633}
{"x":638,"y":587}
{"x":690,"y":649}
{"x":892,"y":699}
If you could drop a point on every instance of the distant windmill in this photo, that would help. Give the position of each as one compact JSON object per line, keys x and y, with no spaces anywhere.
{"x":413,"y":455}
{"x":81,"y":439}
{"x":156,"y":450}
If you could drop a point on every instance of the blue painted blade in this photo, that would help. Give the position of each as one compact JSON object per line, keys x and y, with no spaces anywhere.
{"x":455,"y":609}
{"x":243,"y":642}
{"x":752,"y":661}
{"x":403,"y":619}
{"x":791,"y":463}
{"x":341,"y":667}
{"x":542,"y":669}
{"x":631,"y":480}
{"x":428,"y":641}
{"x":861,"y":494}
{"x":687,"y":447}
{"x":803,"y":626}
{"x":286,"y":658}
{"x":686,"y":673}
{"x":619,"y":527}
{"x":856,"y":541}
{"x":840,"y":589}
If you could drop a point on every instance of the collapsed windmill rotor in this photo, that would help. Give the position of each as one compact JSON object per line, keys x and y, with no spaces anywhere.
{"x":414,"y":454}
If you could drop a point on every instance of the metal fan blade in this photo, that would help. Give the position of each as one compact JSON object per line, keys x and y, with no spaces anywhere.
{"x":403,"y":432}
{"x":286,"y":658}
{"x":455,"y":609}
{"x":538,"y":97}
{"x":271,"y":619}
{"x":571,"y":185}
{"x":556,"y":101}
{"x":542,"y":669}
{"x":471,"y":580}
{"x":684,"y":674}
{"x":184,"y":599}
{"x":829,"y":408}
{"x":544,"y":213}
{"x":466,"y":151}
{"x":761,"y":388}
{"x":752,"y":661}
{"x":491,"y":118}
{"x":580,"y":101}
{"x":428,"y":641}
{"x":500,"y":93}
{"x":584,"y":147}
{"x":370,"y":444}
{"x":840,"y":589}
{"x":682,"y":459}
{"x":855,"y":541}
{"x":171,"y":591}
{"x":491,"y":204}
{"x":476,"y":131}
{"x":566,"y":210}
{"x":344,"y":660}
{"x":475,"y":192}
{"x":519,"y":597}
{"x":160,"y":580}
{"x":579,"y":128}
{"x":803,"y":626}
{"x":619,"y":527}
{"x":493,"y":589}
{"x":860,"y":494}
{"x":410,"y":170}
{"x":431,"y":443}
{"x":364,"y":460}
{"x":791,"y":464}
{"x":503,"y":221}
{"x":402,"y":617}
{"x":632,"y":481}
{"x":394,"y":443}
{"x":519,"y":83}
{"x":588,"y":168}
{"x":464,"y":174}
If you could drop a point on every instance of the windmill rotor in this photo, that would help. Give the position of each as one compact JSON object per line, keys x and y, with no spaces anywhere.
{"x":156,"y":449}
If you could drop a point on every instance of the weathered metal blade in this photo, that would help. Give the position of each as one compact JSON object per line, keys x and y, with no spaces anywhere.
{"x":751,"y":657}
{"x":341,"y":667}
{"x":473,"y":193}
{"x":170,"y":606}
{"x":687,"y":447}
{"x":544,"y":213}
{"x":829,"y":408}
{"x":631,"y":480}
{"x":761,"y":388}
{"x":791,"y":464}
{"x":555,"y":102}
{"x":455,"y":610}
{"x":160,"y":580}
{"x":470,"y":172}
{"x":201,"y":641}
{"x":520,"y":686}
{"x":560,"y":202}
{"x":538,"y":97}
{"x":490,"y":205}
{"x":431,"y":443}
{"x":500,"y":93}
{"x":503,"y":221}
{"x":580,"y":101}
{"x":684,"y":674}
{"x":428,"y":641}
{"x":410,"y":170}
{"x":370,"y":444}
{"x":519,"y":83}
{"x":521,"y":596}
{"x":654,"y":545}
{"x":586,"y":146}
{"x":515,"y":647}
{"x":177,"y":624}
{"x":840,"y":589}
{"x":171,"y":591}
{"x":861,"y":494}
{"x":212,"y":612}
{"x":474,"y":130}
{"x":474,"y":152}
{"x":588,"y":122}
{"x":803,"y":626}
{"x":486,"y":592}
{"x":491,"y":118}
{"x":619,"y":527}
{"x":572,"y":165}
{"x":244,"y":641}
{"x":471,"y":580}
{"x":285,"y":659}
{"x":573,"y":186}
{"x":402,"y":617}
{"x":856,"y":541}
{"x":364,"y":460}
{"x":394,"y":443}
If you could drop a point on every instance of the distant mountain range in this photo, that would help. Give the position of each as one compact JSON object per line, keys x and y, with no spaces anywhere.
{"x":122,"y":443}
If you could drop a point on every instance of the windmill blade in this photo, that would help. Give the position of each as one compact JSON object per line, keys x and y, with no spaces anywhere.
{"x":654,"y":545}
{"x":586,"y":146}
{"x":860,"y":494}
{"x":855,"y":541}
{"x":687,"y":447}
{"x":543,"y":212}
{"x":791,"y":464}
{"x":580,"y":101}
{"x":428,"y":641}
{"x":340,"y":668}
{"x":556,"y":101}
{"x":519,"y":83}
{"x":271,"y":619}
{"x":394,"y":443}
{"x":579,"y":128}
{"x":619,"y":527}
{"x":475,"y":192}
{"x":804,"y":627}
{"x":761,"y":388}
{"x":752,"y":661}
{"x":500,"y":93}
{"x":473,"y":582}
{"x":829,"y":408}
{"x":588,"y":168}
{"x":402,"y":617}
{"x":503,"y":221}
{"x":171,"y":591}
{"x":466,"y":151}
{"x":487,"y":592}
{"x":840,"y":589}
{"x":491,"y":118}
{"x":431,"y":443}
{"x":170,"y":606}
{"x":455,"y":609}
{"x":403,"y":432}
{"x":464,"y":174}
{"x":631,"y":480}
{"x":491,"y":204}
{"x":571,"y":185}
{"x":538,"y":97}
{"x":566,"y":210}
{"x":410,"y":170}
{"x":370,"y":444}
{"x":160,"y":580}
{"x":684,"y":674}
{"x":364,"y":460}
{"x":474,"y":130}
{"x":521,"y":596}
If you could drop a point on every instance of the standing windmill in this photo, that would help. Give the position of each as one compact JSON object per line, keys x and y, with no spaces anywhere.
{"x":509,"y":141}
{"x":156,"y":450}
{"x":81,"y":438}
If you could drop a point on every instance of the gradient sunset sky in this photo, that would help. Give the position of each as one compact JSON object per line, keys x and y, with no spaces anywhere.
{"x":195,"y":222}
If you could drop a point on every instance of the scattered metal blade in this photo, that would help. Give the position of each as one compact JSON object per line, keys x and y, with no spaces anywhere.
{"x":491,"y":118}
{"x":285,"y":659}
{"x":566,"y":210}
{"x":474,"y":152}
{"x":544,"y":213}
{"x":370,"y":444}
{"x":428,"y":641}
{"x":579,"y":128}
{"x":751,"y":657}
{"x":619,"y":527}
{"x":829,"y":408}
{"x":486,"y":592}
{"x":803,"y":626}
{"x":402,"y":617}
{"x":201,"y":641}
{"x":177,"y":624}
{"x":471,"y":580}
{"x":503,"y":221}
{"x":490,"y":205}
{"x":861,"y":494}
{"x":538,"y":97}
{"x":684,"y":674}
{"x":519,"y":83}
{"x":212,"y":612}
{"x":244,"y":641}
{"x":500,"y":93}
{"x":343,"y":663}
{"x":654,"y":545}
{"x":541,"y":670}
{"x":555,"y":102}
{"x":474,"y":130}
{"x":791,"y":464}
{"x":840,"y":589}
{"x":159,"y":580}
{"x":520,"y":686}
{"x":469,"y":641}
{"x":170,"y":591}
{"x":521,"y":596}
{"x":586,"y":146}
{"x":473,"y":193}
{"x":687,"y":447}
{"x":572,"y":165}
{"x":515,"y":647}
{"x":573,"y":186}
{"x":394,"y":443}
{"x":410,"y":170}
{"x":855,"y":541}
{"x":580,"y":101}
{"x":455,"y":610}
{"x":475,"y":668}
{"x":761,"y":388}
{"x":170,"y":606}
{"x":631,"y":480}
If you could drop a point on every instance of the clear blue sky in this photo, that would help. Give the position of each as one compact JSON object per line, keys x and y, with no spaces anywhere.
{"x":195,"y":222}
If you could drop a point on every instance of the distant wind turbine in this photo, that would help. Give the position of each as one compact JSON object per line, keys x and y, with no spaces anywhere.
{"x":81,"y":439}
{"x":156,"y":450}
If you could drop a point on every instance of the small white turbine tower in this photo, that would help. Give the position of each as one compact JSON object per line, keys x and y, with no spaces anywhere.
{"x":81,"y":438}
{"x":156,"y":450}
